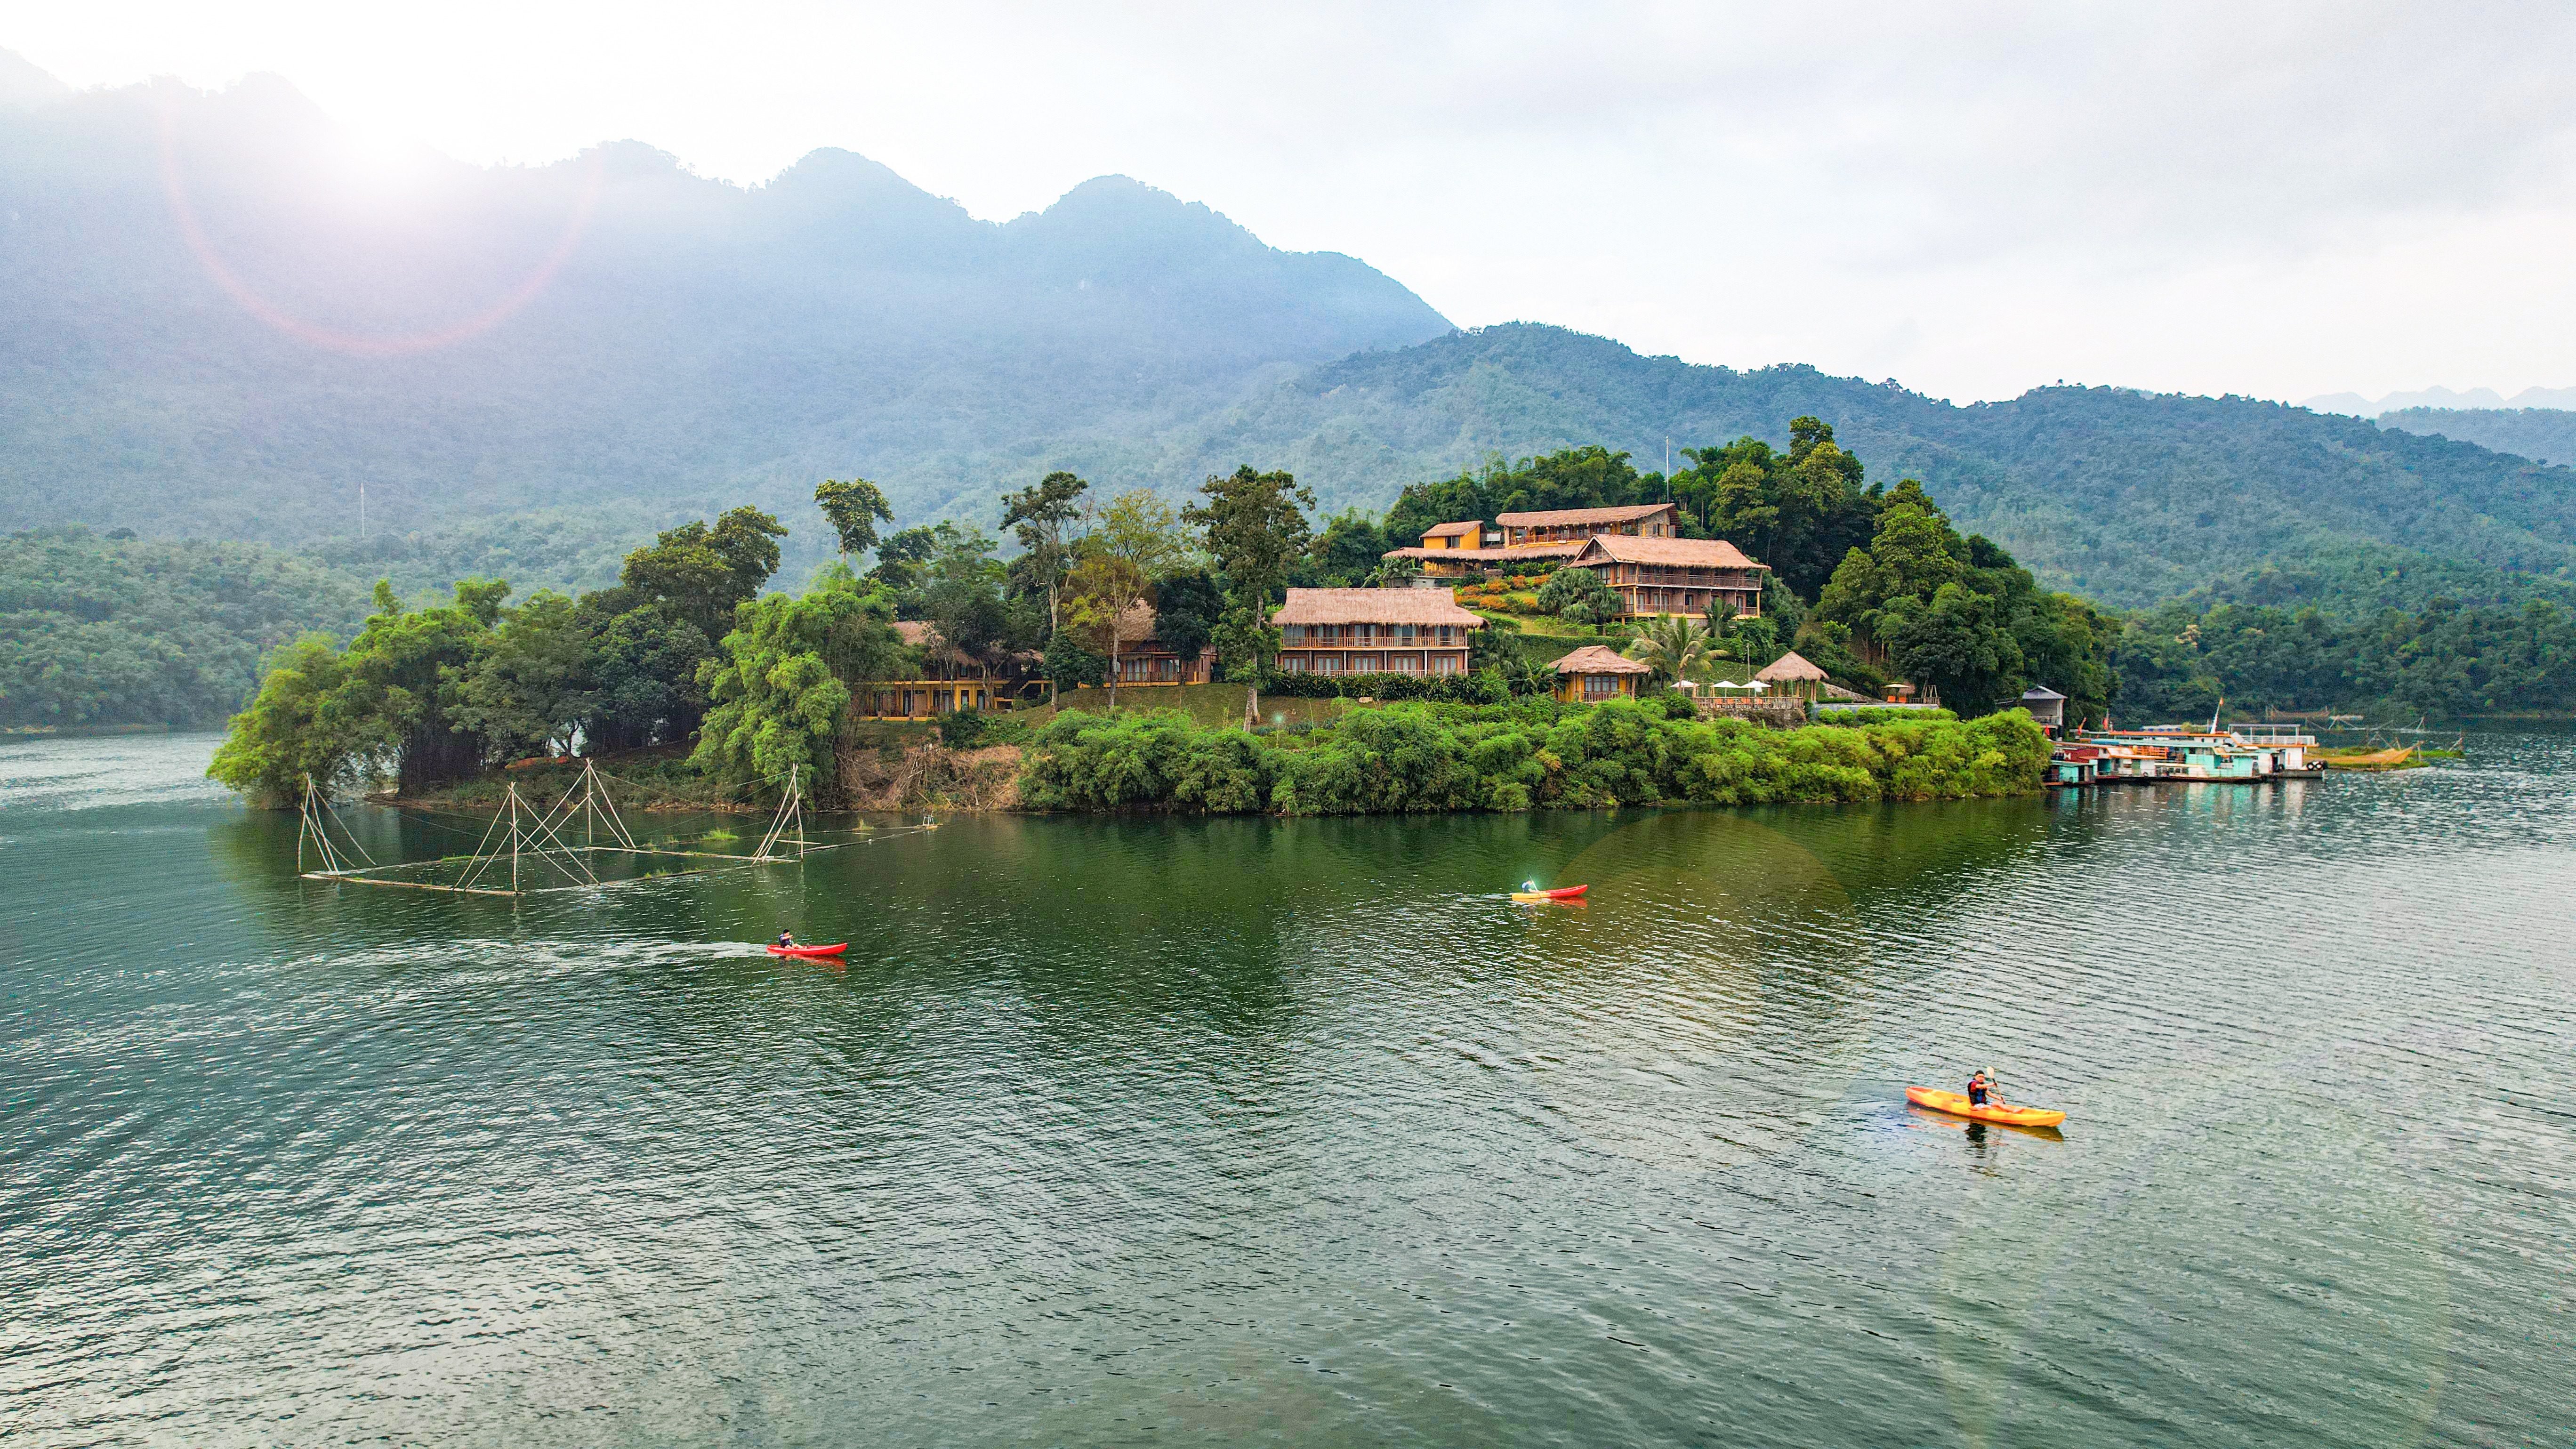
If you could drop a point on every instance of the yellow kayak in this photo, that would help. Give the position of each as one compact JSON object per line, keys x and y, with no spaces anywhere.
{"x":1958,"y":1104}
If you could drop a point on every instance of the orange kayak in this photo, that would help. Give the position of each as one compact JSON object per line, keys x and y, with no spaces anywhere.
{"x":832,"y":950}
{"x":1957,"y":1103}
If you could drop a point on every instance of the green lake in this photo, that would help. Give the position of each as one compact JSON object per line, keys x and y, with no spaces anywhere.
{"x":1116,"y":1131}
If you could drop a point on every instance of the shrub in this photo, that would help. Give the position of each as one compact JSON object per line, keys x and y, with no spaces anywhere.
{"x":1521,"y":755}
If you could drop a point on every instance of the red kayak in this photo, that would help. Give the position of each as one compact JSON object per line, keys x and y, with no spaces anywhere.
{"x":1561,"y":893}
{"x":835,"y":949}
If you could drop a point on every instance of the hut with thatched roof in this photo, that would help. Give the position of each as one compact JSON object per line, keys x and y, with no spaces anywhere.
{"x":1793,"y":676}
{"x":1595,"y":673}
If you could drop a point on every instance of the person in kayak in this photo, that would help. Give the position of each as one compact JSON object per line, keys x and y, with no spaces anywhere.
{"x":787,"y":940}
{"x":1980,"y":1087}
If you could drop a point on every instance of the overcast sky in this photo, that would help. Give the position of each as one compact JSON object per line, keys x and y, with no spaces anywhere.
{"x":2277,"y":199}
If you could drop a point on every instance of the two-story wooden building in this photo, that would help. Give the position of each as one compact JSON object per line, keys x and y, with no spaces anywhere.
{"x":1452,"y":551}
{"x":1373,"y":631}
{"x":1144,"y":657}
{"x":1574,"y":525}
{"x":1659,"y":575}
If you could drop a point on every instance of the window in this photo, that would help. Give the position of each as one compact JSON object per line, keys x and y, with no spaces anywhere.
{"x":1596,"y":686}
{"x":1368,"y":632}
{"x":1444,"y":664}
{"x":1405,"y":633}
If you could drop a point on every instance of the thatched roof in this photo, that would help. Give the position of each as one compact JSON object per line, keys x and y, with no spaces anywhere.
{"x":1599,"y":659}
{"x":1453,"y":530}
{"x":1788,"y":667}
{"x":1699,"y":553}
{"x":1527,"y":553}
{"x":1558,"y":517}
{"x":1373,"y":606}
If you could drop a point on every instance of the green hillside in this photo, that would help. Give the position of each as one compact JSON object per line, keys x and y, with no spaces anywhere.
{"x":2545,"y":434}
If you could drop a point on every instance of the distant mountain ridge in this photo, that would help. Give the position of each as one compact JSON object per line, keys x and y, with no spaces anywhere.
{"x":227,"y":332}
{"x":2441,"y":398}
{"x":592,"y":333}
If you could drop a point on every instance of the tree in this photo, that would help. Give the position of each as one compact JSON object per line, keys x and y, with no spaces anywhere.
{"x":1246,"y":641}
{"x":854,"y":509}
{"x":300,"y":726}
{"x":778,"y":700}
{"x":1254,"y":525}
{"x":702,"y":572}
{"x":1187,"y":608}
{"x":643,"y":675}
{"x":961,"y":594}
{"x":1347,"y":551}
{"x":1039,"y":518}
{"x":1671,"y":647}
{"x":529,"y":682}
{"x":1137,"y":542}
{"x":1580,"y":595}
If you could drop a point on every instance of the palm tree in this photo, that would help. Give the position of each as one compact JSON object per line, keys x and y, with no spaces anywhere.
{"x":1670,"y":646}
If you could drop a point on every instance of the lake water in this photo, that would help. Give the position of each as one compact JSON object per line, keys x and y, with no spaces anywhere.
{"x":1181,"y":1131}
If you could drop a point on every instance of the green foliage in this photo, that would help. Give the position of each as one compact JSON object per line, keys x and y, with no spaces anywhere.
{"x":130,"y":631}
{"x":1959,"y":614}
{"x":1348,"y":550}
{"x":854,"y":509}
{"x":299,"y":727}
{"x":702,"y":572}
{"x":1579,"y":595}
{"x":1254,"y":524}
{"x":1072,"y":664}
{"x":1246,"y":640}
{"x":1798,"y":511}
{"x":1039,"y":518}
{"x":1187,"y":609}
{"x":1537,"y":753}
{"x":1673,"y":647}
{"x":2178,"y":662}
{"x":776,"y":698}
{"x":525,"y":690}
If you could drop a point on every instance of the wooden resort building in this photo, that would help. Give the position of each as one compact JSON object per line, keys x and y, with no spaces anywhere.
{"x":949,"y":681}
{"x":1452,"y":551}
{"x":1144,"y":657}
{"x":1791,"y":676}
{"x":1574,"y":525}
{"x":1656,"y":576}
{"x":1373,"y":631}
{"x":1595,"y":673}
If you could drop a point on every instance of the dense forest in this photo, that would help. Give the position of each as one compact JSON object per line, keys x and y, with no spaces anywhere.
{"x":114,"y":629}
{"x":2544,"y":435}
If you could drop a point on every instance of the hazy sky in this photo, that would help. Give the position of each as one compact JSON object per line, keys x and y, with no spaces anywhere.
{"x":2274,"y":199}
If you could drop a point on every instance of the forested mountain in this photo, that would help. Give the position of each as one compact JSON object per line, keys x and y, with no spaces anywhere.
{"x":218,"y":327}
{"x":219,"y":323}
{"x":2547,"y":435}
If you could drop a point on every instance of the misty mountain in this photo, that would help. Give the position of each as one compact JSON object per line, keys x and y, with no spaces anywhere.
{"x":2441,"y":398}
{"x":2545,"y":434}
{"x":222,"y":319}
{"x":2125,"y":496}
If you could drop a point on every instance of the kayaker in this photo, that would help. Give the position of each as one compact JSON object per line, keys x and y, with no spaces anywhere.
{"x":787,"y":940}
{"x":1979,"y":1087}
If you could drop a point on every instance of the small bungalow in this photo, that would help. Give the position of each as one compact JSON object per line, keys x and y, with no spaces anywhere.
{"x":1793,"y":677}
{"x":1144,"y":657}
{"x":2046,"y":706}
{"x":1373,"y":631}
{"x":1595,"y":673}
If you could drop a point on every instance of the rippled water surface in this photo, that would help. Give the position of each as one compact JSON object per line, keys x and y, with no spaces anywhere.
{"x":1211,"y":1131}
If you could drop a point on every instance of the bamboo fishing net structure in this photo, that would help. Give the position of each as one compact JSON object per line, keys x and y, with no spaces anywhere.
{"x":527,"y":850}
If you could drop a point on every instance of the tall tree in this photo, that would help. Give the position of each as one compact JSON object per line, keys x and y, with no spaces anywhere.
{"x":1136,"y":543}
{"x":1041,"y":519}
{"x":1255,"y":524}
{"x":854,"y":509}
{"x":703,"y":572}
